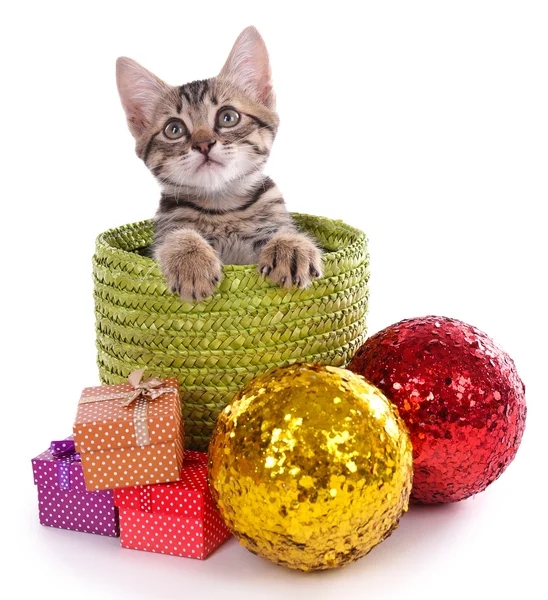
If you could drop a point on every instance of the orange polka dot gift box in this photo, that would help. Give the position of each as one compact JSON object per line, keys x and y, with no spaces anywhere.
{"x":179,"y":518}
{"x":63,"y":500}
{"x":131,"y":433}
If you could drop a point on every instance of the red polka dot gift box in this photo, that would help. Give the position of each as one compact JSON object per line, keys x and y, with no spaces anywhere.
{"x":63,"y":500}
{"x":131,"y":433}
{"x":173,"y":518}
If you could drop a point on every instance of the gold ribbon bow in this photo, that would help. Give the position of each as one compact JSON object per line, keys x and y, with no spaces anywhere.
{"x":142,"y":393}
{"x":150,"y":389}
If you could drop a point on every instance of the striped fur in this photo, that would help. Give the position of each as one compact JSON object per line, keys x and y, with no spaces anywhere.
{"x":216,"y":207}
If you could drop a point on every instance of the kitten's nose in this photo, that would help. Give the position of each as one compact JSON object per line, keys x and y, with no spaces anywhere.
{"x":204,"y":146}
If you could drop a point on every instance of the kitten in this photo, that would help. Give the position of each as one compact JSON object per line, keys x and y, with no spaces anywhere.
{"x":206,"y":143}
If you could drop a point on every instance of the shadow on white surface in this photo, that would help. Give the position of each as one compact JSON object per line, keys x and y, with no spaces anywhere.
{"x":103,"y":569}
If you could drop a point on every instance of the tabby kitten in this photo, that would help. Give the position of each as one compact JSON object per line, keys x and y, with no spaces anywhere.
{"x":206,"y":143}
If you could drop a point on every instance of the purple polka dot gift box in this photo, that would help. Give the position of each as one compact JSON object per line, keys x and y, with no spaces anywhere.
{"x":63,"y":500}
{"x":178,"y":518}
{"x":130,"y":433}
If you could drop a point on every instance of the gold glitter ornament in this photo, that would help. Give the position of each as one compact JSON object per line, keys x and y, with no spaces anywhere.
{"x":310,"y":466}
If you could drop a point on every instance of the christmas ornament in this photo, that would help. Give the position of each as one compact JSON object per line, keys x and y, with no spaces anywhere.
{"x":310,"y":466}
{"x":460,"y":395}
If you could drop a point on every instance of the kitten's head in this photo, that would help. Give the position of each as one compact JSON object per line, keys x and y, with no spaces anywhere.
{"x":205,"y":134}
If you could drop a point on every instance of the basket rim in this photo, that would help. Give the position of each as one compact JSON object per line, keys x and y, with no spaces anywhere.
{"x":356,"y":243}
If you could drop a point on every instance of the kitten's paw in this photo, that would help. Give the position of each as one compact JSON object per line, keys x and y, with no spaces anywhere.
{"x":291,"y":259}
{"x":190,"y":265}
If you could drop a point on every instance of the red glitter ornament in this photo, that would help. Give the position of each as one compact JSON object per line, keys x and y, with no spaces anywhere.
{"x":460,"y":395}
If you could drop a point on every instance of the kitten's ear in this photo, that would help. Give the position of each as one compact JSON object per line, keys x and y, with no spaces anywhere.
{"x":249,"y":68}
{"x":140,"y":91}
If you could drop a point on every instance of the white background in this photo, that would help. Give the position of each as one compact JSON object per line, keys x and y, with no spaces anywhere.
{"x":424,"y":123}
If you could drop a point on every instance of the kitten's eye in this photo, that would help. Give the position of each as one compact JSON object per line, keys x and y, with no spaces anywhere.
{"x":227,"y":117}
{"x":174,"y":129}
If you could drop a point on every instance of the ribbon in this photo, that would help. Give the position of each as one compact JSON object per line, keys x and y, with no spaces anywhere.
{"x":65,"y":453}
{"x":140,"y":395}
{"x":150,"y":389}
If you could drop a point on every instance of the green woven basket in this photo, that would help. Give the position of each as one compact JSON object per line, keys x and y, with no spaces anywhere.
{"x":247,"y":327}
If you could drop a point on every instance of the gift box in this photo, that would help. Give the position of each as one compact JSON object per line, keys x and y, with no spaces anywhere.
{"x":179,"y":518}
{"x":63,"y":500}
{"x":131,"y":433}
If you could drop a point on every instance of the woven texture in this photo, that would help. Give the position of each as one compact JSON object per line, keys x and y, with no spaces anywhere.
{"x":249,"y":326}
